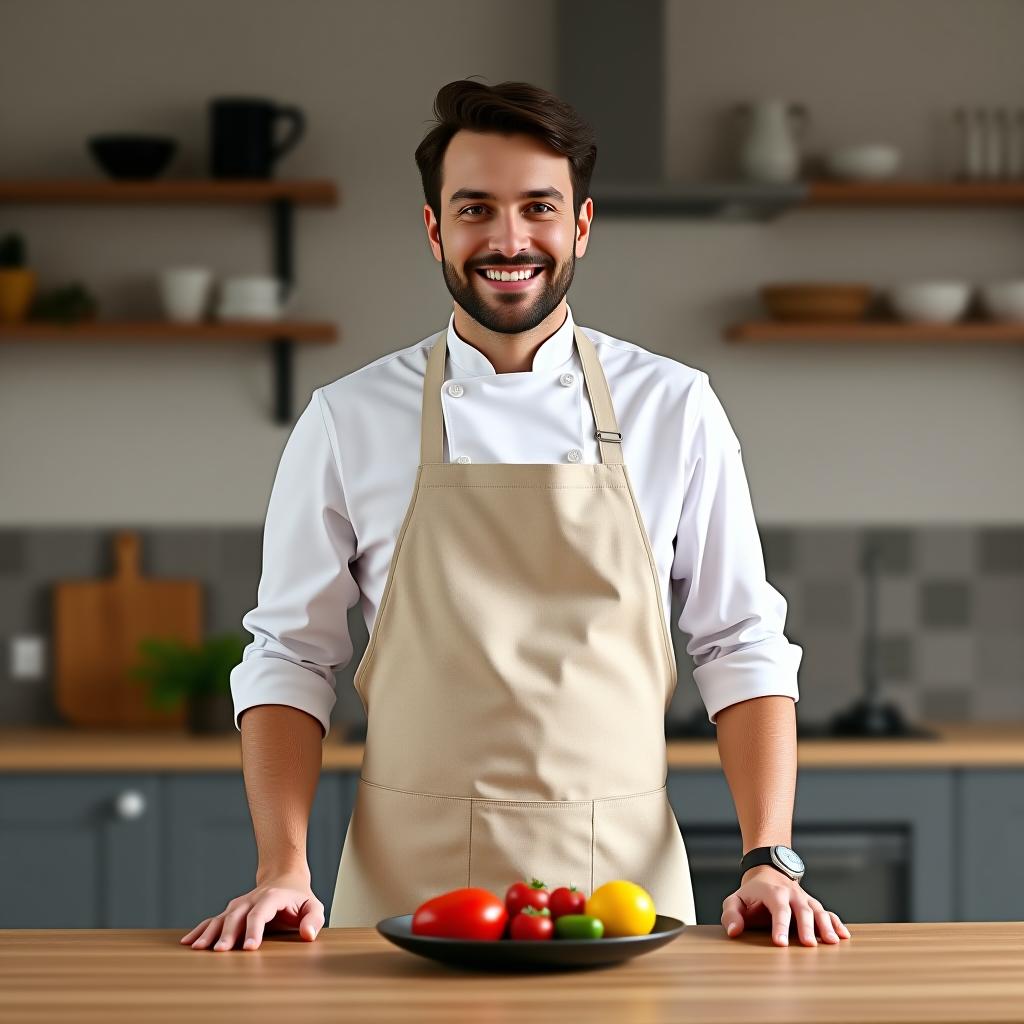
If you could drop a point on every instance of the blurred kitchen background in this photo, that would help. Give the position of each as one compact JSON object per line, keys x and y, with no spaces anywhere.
{"x":873,"y":150}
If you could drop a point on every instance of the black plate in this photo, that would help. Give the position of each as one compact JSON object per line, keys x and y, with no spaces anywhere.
{"x":516,"y":954}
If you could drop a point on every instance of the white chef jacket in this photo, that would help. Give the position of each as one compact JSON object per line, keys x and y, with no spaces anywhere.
{"x":347,"y":472}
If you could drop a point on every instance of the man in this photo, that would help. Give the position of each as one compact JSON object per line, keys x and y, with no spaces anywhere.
{"x":516,"y":496}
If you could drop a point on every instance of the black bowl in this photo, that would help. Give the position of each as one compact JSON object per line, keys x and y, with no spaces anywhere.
{"x":529,"y":954}
{"x":137,"y":157}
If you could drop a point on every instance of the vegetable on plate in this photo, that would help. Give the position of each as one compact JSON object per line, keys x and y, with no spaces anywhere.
{"x":521,"y":895}
{"x":467,"y":913}
{"x":579,"y":926}
{"x":531,"y":923}
{"x":624,"y":907}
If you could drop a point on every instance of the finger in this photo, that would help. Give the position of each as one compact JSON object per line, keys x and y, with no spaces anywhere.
{"x":805,"y":925}
{"x":195,"y":931}
{"x":261,"y":914}
{"x":209,"y":934}
{"x":732,"y":918}
{"x":311,"y":915}
{"x":233,"y":922}
{"x":840,"y":927}
{"x":781,"y":918}
{"x":824,"y":922}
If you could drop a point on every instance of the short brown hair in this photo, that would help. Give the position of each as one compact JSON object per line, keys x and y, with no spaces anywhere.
{"x":509,"y":107}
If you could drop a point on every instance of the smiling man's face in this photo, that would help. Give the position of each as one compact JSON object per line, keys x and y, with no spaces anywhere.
{"x":506,"y":206}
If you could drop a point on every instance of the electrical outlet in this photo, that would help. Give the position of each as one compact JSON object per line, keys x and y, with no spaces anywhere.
{"x":27,"y":660}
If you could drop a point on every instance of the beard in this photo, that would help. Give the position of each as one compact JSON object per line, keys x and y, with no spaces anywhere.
{"x":509,"y":312}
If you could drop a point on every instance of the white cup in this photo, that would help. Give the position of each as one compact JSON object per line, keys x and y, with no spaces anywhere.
{"x":184,"y":292}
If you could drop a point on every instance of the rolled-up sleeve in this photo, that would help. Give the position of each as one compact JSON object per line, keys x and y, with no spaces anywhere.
{"x":734,"y":618}
{"x":300,"y":622}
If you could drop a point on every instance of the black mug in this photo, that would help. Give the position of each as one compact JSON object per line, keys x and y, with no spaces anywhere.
{"x":242,"y":136}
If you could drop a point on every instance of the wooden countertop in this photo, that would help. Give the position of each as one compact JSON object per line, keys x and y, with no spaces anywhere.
{"x":960,"y":971}
{"x":973,"y":745}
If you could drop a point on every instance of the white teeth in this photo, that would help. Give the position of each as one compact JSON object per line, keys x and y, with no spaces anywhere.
{"x":516,"y":275}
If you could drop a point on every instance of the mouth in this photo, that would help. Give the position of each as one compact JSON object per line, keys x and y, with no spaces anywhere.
{"x":523,"y":284}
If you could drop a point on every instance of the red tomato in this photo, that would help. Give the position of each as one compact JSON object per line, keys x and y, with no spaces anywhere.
{"x":531,"y":923}
{"x":521,"y":895}
{"x":566,"y":901}
{"x":468,"y":913}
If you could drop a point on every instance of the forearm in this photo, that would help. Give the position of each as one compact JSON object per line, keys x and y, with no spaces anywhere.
{"x":757,"y":748}
{"x":282,"y":748}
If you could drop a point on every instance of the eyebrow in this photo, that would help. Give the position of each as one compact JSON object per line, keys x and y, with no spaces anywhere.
{"x":537,"y":193}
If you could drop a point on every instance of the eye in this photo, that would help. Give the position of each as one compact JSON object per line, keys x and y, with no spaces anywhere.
{"x":469,"y":209}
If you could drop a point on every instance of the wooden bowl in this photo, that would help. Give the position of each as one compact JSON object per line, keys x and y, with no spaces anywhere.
{"x":816,"y":301}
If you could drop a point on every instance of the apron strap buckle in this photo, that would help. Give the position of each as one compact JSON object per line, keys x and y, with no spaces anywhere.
{"x":609,"y":435}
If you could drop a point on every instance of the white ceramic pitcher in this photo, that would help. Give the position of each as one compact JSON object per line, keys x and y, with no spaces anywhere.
{"x":770,"y":151}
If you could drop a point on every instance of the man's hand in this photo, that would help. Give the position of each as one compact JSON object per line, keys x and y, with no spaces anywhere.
{"x":278,"y":903}
{"x":767,"y":897}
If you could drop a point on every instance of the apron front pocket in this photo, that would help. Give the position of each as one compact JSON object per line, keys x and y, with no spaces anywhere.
{"x":552,"y":840}
{"x":637,"y":838}
{"x":401,"y":849}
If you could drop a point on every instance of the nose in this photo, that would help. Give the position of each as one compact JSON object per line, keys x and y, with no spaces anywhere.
{"x":510,"y":235}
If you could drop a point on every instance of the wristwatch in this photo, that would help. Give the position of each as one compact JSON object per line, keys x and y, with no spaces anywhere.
{"x":785,"y":859}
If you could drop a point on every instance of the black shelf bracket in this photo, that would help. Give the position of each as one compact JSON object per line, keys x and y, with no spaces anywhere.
{"x":282,"y":348}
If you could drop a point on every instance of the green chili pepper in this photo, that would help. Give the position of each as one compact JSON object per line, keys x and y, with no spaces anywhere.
{"x":579,"y":926}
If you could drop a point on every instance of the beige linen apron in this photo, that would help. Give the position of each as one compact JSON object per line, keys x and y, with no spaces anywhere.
{"x":515,"y":683}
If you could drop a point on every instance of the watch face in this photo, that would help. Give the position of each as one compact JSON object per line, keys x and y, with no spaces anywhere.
{"x":790,"y":858}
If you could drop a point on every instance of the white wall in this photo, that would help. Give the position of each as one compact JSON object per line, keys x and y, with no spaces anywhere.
{"x":155,"y":434}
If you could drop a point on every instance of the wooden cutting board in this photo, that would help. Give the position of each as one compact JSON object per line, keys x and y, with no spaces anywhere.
{"x":97,"y":628}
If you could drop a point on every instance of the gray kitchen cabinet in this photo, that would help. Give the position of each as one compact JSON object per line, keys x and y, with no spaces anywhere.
{"x":79,"y":851}
{"x":879,"y":845}
{"x":991,"y":809}
{"x":167,"y":849}
{"x":210,"y":850}
{"x":153,"y":850}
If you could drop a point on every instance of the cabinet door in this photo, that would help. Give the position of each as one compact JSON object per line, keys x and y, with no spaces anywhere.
{"x":991,"y":803}
{"x":79,"y":851}
{"x":210,"y":848}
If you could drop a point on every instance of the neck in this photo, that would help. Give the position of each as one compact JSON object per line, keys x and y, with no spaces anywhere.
{"x":508,"y":353}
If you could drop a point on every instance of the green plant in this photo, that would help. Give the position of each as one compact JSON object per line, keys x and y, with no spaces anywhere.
{"x":177,"y":671}
{"x":12,"y":250}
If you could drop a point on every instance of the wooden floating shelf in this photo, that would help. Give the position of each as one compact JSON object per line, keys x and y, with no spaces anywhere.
{"x":880,"y":331}
{"x":912,"y":193}
{"x":168,"y":330}
{"x":198,"y":190}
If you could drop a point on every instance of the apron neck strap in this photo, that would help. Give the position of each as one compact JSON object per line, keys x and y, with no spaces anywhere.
{"x":432,"y":419}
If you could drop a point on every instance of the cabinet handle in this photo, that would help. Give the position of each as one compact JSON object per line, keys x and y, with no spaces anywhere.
{"x":130,"y":804}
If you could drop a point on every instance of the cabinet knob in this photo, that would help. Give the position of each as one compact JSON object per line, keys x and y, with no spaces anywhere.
{"x":130,"y":804}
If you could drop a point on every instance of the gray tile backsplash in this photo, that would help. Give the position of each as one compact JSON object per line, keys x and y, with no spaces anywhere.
{"x":950,"y":611}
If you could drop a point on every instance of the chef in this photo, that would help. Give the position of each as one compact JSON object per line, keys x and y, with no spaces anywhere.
{"x":513,"y":500}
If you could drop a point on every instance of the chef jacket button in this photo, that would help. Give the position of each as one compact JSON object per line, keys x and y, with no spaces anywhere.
{"x":567,"y":380}
{"x":575,"y":455}
{"x":455,"y":390}
{"x":463,"y":458}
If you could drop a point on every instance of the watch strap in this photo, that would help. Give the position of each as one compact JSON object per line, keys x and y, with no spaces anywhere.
{"x":761,"y":855}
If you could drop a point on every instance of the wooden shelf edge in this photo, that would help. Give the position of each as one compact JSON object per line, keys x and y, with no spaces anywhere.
{"x":311,"y":192}
{"x":167,"y":330}
{"x":834,"y":331}
{"x":823,"y":192}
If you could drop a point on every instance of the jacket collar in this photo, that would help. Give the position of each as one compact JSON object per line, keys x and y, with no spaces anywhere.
{"x":553,"y":351}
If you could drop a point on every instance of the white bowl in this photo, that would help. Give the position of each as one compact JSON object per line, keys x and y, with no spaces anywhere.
{"x":933,"y":302}
{"x":868,"y":162}
{"x":1003,"y":300}
{"x":228,"y":312}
